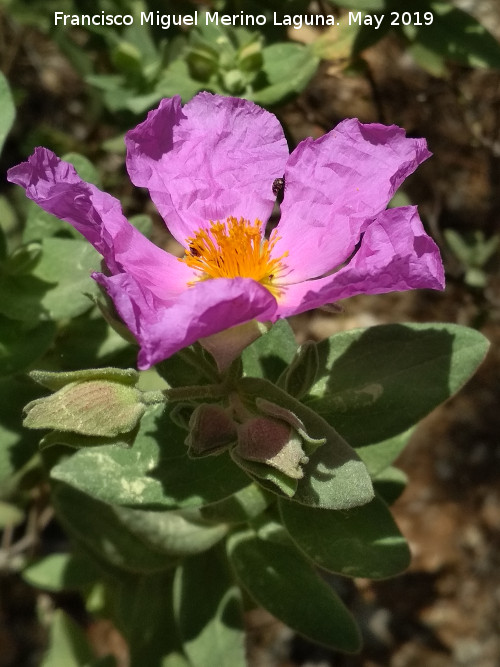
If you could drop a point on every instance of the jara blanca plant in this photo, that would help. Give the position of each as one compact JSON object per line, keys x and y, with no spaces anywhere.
{"x":235,"y":468}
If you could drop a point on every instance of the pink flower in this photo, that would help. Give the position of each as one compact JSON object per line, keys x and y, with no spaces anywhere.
{"x":210,"y":168}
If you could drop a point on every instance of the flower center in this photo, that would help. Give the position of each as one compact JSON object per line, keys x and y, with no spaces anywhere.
{"x":235,"y":248}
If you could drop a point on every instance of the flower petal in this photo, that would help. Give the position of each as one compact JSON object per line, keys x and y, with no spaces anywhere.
{"x":206,"y":308}
{"x":395,"y":255}
{"x":217,"y":157}
{"x":334,"y":187}
{"x":56,"y":187}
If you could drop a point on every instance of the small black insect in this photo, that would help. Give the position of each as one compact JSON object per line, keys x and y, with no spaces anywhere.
{"x":279,"y":188}
{"x":193,"y":251}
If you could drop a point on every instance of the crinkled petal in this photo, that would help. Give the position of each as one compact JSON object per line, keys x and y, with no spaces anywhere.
{"x":56,"y":187}
{"x":334,"y":186}
{"x":206,"y":308}
{"x":217,"y":157}
{"x":395,"y":255}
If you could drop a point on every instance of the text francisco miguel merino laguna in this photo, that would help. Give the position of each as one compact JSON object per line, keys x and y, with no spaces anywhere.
{"x":165,"y":21}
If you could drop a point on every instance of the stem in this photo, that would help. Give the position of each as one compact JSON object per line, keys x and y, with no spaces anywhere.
{"x":153,"y":397}
{"x":217,"y":389}
{"x":194,"y":392}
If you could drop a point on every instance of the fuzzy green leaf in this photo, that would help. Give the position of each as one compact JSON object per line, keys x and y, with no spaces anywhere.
{"x":57,"y":380}
{"x":100,"y":531}
{"x":175,"y":533}
{"x":334,"y":477}
{"x":60,"y":572}
{"x":240,"y":507}
{"x":361,"y":542}
{"x":18,"y":444}
{"x":10,"y":515}
{"x":381,"y":455}
{"x":283,"y":581}
{"x":144,"y":615}
{"x":7,"y":110}
{"x":376,"y":383}
{"x":211,"y":624}
{"x":288,"y":67}
{"x":155,"y":473}
{"x":455,"y":35}
{"x":21,"y":344}
{"x":270,"y":354}
{"x":68,"y":646}
{"x":57,"y":286}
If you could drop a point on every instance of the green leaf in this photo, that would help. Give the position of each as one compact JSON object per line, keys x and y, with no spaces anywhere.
{"x":7,"y":110}
{"x":68,"y":646}
{"x":283,"y":581}
{"x":21,"y":297}
{"x":208,"y":609}
{"x":455,"y":35}
{"x":87,"y":341}
{"x":84,"y":167}
{"x":362,"y":542}
{"x":10,"y":515}
{"x":240,"y":507}
{"x":68,"y":263}
{"x":270,"y":354}
{"x":60,"y":572}
{"x":155,"y":473}
{"x":302,"y":372}
{"x":335,"y":477}
{"x":3,"y":239}
{"x":40,"y":224}
{"x":433,"y":63}
{"x":100,"y":531}
{"x":18,"y":444}
{"x":190,"y":366}
{"x":375,"y":383}
{"x":57,"y":286}
{"x":79,"y":441}
{"x":289,"y":67}
{"x":269,"y":477}
{"x":22,"y":260}
{"x":177,"y":80}
{"x":58,"y":379}
{"x":8,"y":228}
{"x":144,"y":614}
{"x":21,"y":344}
{"x":175,"y":533}
{"x":390,"y":484}
{"x":127,"y":58}
{"x":143,"y":223}
{"x":379,"y":456}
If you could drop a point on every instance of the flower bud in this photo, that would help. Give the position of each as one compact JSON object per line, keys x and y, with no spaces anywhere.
{"x":272,"y":442}
{"x":211,"y":430}
{"x":96,"y":407}
{"x":97,"y":402}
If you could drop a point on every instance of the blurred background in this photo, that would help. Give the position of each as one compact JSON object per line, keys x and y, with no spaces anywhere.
{"x":435,"y":72}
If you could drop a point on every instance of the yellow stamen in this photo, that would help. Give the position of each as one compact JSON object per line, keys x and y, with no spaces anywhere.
{"x":235,"y":248}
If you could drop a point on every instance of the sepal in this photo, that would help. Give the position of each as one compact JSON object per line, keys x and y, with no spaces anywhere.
{"x":227,"y":345}
{"x":211,"y":430}
{"x":302,"y":372}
